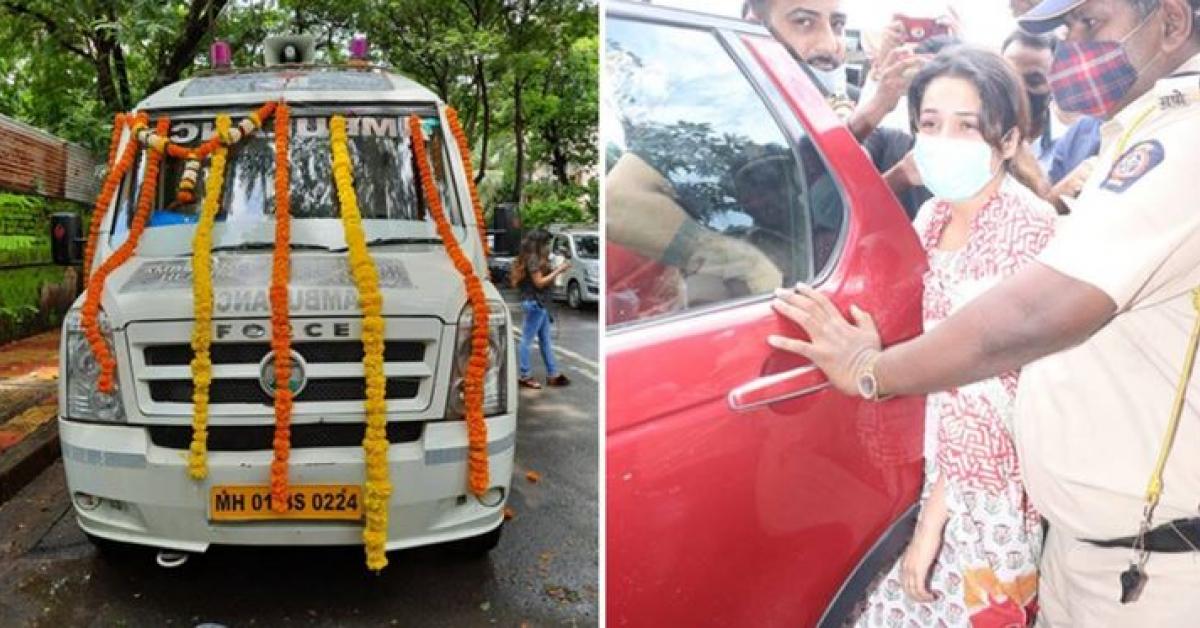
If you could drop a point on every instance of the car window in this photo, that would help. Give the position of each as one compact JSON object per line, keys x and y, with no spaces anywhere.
{"x":560,"y":246}
{"x":707,"y":201}
{"x":587,"y":246}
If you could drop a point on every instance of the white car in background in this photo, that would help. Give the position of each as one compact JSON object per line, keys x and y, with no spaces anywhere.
{"x":581,"y":245}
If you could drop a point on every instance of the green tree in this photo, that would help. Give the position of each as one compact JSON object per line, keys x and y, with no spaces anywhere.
{"x":522,"y":73}
{"x":564,"y":109}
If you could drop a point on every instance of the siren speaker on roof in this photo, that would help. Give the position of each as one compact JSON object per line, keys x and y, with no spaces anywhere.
{"x":281,"y":49}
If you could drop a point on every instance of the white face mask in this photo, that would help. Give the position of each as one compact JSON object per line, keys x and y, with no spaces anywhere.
{"x":833,"y":80}
{"x":953,"y":169}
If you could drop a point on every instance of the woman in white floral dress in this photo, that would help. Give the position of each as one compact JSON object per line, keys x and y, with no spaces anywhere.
{"x":973,"y":558}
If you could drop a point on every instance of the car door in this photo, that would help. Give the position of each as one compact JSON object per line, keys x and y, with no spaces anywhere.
{"x":740,"y":489}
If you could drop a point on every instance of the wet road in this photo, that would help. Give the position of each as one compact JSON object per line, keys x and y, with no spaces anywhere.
{"x":544,"y":572}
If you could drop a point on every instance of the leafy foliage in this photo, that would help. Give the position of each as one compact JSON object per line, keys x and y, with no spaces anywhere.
{"x":522,"y":73}
{"x":21,"y":311}
{"x":24,"y":227}
{"x":551,"y":202}
{"x":21,"y":249}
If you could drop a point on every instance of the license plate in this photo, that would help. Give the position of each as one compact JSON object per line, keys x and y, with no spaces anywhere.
{"x":307,"y":502}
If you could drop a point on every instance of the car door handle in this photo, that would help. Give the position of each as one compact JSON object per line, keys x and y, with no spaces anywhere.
{"x":769,"y":389}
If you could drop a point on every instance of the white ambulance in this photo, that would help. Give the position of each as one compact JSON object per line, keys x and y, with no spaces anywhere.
{"x":126,"y":454}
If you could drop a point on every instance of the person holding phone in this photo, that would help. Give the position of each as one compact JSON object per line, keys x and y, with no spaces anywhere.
{"x":531,"y":274}
{"x":813,"y":31}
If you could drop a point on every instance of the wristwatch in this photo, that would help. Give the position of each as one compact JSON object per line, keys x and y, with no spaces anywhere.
{"x":868,"y":385}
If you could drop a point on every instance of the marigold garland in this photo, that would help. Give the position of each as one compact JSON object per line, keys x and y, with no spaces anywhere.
{"x":280,"y":327}
{"x":118,"y":127}
{"x":202,"y":296}
{"x":116,"y":172}
{"x":377,"y":487}
{"x":464,"y":149}
{"x":477,"y":453}
{"x":194,"y":156}
{"x":91,"y":305}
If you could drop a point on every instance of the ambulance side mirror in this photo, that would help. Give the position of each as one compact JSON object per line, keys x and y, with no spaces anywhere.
{"x":66,"y":239}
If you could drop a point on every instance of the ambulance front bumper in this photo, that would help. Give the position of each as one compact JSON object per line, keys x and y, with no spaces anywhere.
{"x":146,"y":496}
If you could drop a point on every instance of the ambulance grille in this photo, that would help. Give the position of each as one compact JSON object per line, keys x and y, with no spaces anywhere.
{"x":159,"y":359}
{"x":250,"y":391}
{"x":254,"y":352}
{"x":260,"y":437}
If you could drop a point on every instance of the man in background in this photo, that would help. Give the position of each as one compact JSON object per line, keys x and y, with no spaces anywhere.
{"x":813,"y":31}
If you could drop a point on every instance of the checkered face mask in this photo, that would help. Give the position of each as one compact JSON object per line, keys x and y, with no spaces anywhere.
{"x":1092,"y":77}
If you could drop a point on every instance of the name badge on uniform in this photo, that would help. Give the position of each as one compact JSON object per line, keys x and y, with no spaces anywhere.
{"x":1177,"y":92}
{"x":1173,"y":99}
{"x":1133,"y":165}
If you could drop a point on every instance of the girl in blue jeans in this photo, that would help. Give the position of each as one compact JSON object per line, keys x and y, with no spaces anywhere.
{"x":531,"y":274}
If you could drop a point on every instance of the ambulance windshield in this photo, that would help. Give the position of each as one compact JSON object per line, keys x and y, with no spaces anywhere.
{"x":384,"y":172}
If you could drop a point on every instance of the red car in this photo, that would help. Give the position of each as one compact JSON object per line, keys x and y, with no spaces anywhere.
{"x":741,"y":489}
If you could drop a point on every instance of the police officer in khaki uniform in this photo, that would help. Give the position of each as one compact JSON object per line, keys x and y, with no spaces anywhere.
{"x":1107,"y":420}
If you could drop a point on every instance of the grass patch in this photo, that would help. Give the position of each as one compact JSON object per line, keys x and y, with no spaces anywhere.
{"x":20,"y":300}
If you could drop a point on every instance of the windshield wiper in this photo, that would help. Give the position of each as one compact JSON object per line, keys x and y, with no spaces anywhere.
{"x":267,"y":246}
{"x":388,"y":241}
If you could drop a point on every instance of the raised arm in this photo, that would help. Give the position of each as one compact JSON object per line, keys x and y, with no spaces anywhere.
{"x":1036,"y":312}
{"x":541,"y":280}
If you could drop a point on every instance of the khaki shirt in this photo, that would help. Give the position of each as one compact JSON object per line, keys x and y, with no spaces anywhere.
{"x":1090,"y":420}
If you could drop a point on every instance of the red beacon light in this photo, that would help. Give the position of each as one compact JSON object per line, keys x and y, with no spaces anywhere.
{"x":358,"y":50}
{"x":220,"y":55}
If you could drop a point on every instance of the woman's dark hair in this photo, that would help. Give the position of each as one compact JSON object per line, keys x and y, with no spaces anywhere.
{"x":936,"y":44}
{"x":1005,"y":105}
{"x":532,"y":246}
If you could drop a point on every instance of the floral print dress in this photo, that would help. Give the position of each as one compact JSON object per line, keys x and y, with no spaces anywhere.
{"x":986,"y":572}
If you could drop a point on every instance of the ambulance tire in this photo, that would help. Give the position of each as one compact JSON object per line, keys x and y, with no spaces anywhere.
{"x":479,"y":546}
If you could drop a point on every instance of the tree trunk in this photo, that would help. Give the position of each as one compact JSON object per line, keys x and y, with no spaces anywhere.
{"x":481,"y":77}
{"x":105,"y":85}
{"x":202,"y":14}
{"x":118,"y":60}
{"x":559,"y":163}
{"x":518,"y":140}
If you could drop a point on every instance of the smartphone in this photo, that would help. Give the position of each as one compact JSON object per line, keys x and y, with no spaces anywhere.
{"x":918,"y":29}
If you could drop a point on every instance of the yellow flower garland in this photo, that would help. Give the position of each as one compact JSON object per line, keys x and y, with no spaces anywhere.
{"x":378,"y":487}
{"x":202,"y":295}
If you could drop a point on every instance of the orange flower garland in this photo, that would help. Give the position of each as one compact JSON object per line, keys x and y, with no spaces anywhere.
{"x":112,"y":181}
{"x":159,"y":142}
{"x":194,"y":156}
{"x":280,"y":327}
{"x":477,"y":454}
{"x":464,"y":149}
{"x":118,"y":127}
{"x":244,"y":128}
{"x":378,"y":486}
{"x":91,"y":305}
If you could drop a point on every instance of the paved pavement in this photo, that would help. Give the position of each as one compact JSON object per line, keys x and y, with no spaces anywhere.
{"x":544,"y":573}
{"x":28,"y":379}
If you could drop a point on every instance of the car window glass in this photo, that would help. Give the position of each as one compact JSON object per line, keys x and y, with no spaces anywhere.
{"x":382,"y":161}
{"x":706,"y":201}
{"x":587,"y":246}
{"x":560,"y":246}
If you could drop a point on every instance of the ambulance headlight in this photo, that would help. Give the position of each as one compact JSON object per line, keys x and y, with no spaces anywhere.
{"x":81,"y":370}
{"x":495,"y":378}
